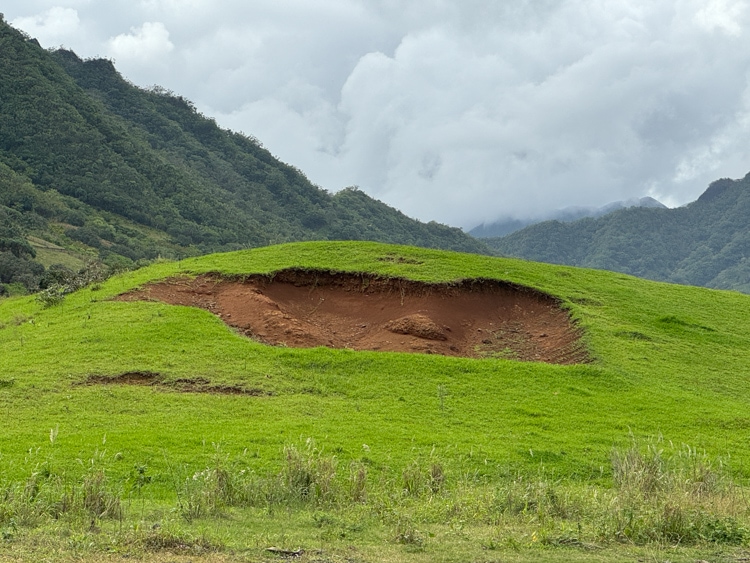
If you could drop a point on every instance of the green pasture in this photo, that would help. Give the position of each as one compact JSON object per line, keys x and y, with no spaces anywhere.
{"x":670,"y":367}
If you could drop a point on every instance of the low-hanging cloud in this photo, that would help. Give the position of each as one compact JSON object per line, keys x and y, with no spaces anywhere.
{"x":146,"y":43}
{"x":458,"y":112}
{"x":51,"y":26}
{"x":144,"y":51}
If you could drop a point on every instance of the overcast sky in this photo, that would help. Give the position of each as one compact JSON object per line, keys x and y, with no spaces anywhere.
{"x":458,"y":111}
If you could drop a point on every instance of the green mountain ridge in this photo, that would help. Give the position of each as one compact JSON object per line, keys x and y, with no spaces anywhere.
{"x":706,"y":243}
{"x":106,"y":170}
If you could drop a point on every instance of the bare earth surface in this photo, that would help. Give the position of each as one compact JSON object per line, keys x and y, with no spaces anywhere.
{"x":300,"y":308}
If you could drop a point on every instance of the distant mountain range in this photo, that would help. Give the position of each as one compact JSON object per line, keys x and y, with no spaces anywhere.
{"x":704,"y":243}
{"x":93,"y":167}
{"x":504,"y":227}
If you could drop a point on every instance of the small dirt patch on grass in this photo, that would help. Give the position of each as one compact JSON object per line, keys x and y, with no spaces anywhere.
{"x":184,"y":385}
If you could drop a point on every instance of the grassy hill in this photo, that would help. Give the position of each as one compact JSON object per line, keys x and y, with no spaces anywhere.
{"x":375,"y":455}
{"x":108,"y":171}
{"x":705,"y":243}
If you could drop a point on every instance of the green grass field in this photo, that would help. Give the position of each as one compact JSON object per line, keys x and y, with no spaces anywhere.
{"x":376,"y":456}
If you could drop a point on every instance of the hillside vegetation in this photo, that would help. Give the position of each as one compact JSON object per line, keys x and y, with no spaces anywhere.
{"x":705,"y":243}
{"x":95,"y":168}
{"x":172,"y":433}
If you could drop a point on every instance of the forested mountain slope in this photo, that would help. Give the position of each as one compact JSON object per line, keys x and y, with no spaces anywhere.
{"x":91,"y":165}
{"x":705,"y":243}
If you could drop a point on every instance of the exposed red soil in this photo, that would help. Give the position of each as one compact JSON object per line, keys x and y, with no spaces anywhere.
{"x":301,"y":308}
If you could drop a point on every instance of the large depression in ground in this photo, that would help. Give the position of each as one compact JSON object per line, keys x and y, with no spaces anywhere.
{"x":476,"y":318}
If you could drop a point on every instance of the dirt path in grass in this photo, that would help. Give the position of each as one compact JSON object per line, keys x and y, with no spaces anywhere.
{"x":300,"y":308}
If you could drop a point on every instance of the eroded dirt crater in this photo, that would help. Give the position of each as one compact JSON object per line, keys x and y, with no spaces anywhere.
{"x":301,"y":308}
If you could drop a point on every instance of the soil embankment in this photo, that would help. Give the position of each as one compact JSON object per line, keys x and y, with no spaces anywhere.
{"x":300,"y":308}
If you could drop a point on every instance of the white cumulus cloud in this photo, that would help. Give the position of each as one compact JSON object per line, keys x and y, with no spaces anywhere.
{"x":724,"y":15}
{"x":144,"y":51}
{"x":460,"y":112}
{"x":143,"y":44}
{"x":54,"y":26}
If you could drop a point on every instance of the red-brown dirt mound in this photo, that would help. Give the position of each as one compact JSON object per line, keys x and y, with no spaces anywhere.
{"x":301,"y":308}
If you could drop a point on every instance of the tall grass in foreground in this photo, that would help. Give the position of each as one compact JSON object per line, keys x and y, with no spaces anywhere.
{"x":45,"y":495}
{"x":675,"y":497}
